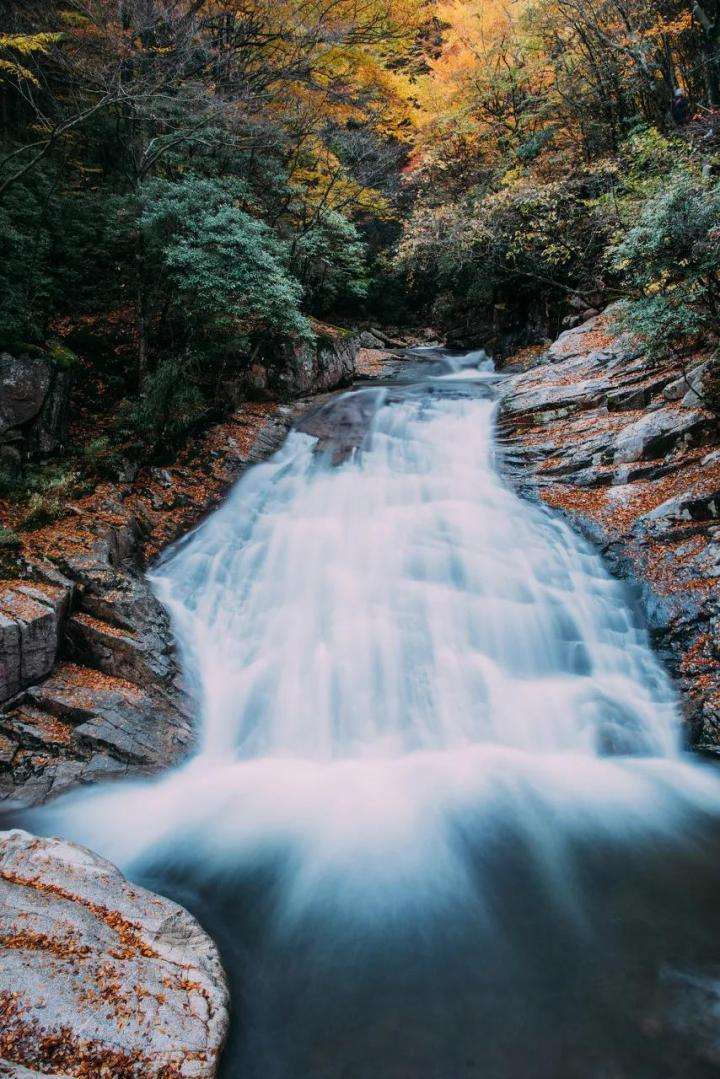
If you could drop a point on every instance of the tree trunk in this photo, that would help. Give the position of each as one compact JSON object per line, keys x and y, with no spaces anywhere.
{"x":709,"y":22}
{"x":141,"y":313}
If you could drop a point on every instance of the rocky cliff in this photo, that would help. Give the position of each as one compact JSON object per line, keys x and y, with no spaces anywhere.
{"x":629,"y":453}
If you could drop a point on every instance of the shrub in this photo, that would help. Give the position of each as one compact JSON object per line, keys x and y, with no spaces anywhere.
{"x":62,"y":356}
{"x":329,"y":260}
{"x":170,"y":406}
{"x":42,"y":510}
{"x":9,"y":540}
{"x":669,"y":262}
{"x":228,"y":272}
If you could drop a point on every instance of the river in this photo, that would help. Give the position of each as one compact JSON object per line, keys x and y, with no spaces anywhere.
{"x":440,"y":821}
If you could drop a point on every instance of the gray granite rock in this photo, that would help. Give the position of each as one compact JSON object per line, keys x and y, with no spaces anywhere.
{"x":656,"y":433}
{"x":99,"y":976}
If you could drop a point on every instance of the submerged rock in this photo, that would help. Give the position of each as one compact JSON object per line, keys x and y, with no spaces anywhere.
{"x":98,"y":976}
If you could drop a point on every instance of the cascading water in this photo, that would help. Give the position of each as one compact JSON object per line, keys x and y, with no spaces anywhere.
{"x":439,"y":819}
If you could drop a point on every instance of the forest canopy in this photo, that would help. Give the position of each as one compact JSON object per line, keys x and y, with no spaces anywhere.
{"x":185,"y":185}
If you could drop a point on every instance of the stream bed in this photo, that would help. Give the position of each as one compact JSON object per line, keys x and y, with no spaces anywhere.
{"x":440,"y":822}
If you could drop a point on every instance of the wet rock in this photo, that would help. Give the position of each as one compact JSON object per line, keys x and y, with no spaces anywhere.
{"x":100,"y":976}
{"x":340,"y":426}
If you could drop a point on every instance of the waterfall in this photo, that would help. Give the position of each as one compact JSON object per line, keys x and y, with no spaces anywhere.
{"x":422,"y":702}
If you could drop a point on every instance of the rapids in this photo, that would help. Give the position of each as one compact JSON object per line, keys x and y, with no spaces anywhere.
{"x":439,"y":820}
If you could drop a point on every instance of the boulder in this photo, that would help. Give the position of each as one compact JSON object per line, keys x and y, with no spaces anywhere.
{"x":687,"y":507}
{"x":629,"y":398}
{"x":99,"y":976}
{"x":656,"y":434}
{"x":324,"y":365}
{"x":573,"y":342}
{"x":34,"y":398}
{"x":369,"y":340}
{"x":688,"y":387}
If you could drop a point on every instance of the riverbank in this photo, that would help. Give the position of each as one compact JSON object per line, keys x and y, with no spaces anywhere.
{"x":88,"y":674}
{"x":627,"y":451}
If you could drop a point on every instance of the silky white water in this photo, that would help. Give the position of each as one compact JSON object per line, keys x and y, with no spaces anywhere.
{"x":404,"y":675}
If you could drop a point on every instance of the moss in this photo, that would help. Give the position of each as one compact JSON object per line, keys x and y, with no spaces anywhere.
{"x":62,"y":356}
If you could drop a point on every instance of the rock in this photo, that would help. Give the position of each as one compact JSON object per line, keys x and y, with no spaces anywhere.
{"x":547,"y":399}
{"x":571,"y":342}
{"x":629,"y":398}
{"x":18,"y":1072}
{"x":340,"y":425}
{"x":370,"y":340}
{"x":687,"y":507}
{"x":34,"y":398}
{"x":138,"y":655}
{"x":24,"y":384}
{"x":687,"y":388}
{"x":99,"y":976}
{"x":325,"y":365}
{"x":11,"y":464}
{"x":30,"y":621}
{"x":656,"y":434}
{"x":114,"y":716}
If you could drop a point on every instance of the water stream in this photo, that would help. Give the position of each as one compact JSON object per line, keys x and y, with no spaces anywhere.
{"x":440,"y":821}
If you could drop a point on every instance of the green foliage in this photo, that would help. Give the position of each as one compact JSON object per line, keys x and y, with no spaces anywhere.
{"x":27,"y":288}
{"x":170,"y":406}
{"x":510,"y":249}
{"x":42,"y":510}
{"x":9,"y":540}
{"x":62,"y":356}
{"x":49,"y":487}
{"x":669,"y":262}
{"x":330,"y":261}
{"x":225,"y":271}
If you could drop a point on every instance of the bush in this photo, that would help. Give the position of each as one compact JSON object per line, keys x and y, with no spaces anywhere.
{"x":168,"y":409}
{"x":228,"y":272}
{"x":9,"y":540}
{"x":62,"y":356}
{"x":669,"y":262}
{"x":329,"y":260}
{"x":42,"y":510}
